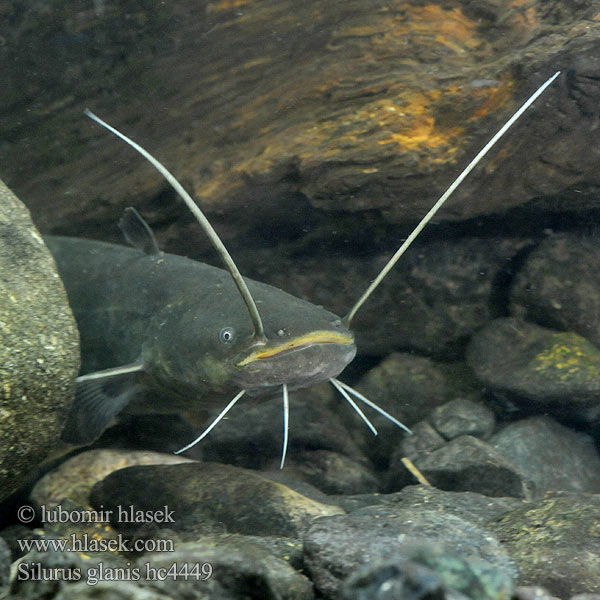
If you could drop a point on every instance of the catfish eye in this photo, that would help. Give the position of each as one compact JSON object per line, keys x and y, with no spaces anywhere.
{"x":227,"y":335}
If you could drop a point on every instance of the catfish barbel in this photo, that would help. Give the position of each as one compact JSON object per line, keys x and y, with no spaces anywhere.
{"x":196,"y":336}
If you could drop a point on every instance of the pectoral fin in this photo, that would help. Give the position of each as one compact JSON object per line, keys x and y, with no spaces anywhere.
{"x":99,"y":398}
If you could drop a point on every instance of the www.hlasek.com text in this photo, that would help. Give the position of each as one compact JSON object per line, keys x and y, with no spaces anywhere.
{"x":89,"y":543}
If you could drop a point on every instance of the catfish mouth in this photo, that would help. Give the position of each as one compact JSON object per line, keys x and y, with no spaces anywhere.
{"x":299,"y":362}
{"x":304,"y":341}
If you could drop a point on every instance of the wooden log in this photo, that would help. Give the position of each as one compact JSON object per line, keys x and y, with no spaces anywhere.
{"x":272,"y":104}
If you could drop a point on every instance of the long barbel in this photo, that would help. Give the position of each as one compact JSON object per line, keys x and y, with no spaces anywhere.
{"x":433,"y":210}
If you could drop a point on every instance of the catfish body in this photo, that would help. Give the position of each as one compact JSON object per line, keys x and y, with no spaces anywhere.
{"x":181,"y":331}
{"x":178,"y":327}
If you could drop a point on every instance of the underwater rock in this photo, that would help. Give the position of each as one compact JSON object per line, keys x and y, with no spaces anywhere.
{"x":409,"y":388}
{"x":353,"y":502}
{"x":30,"y":583}
{"x":469,"y":464}
{"x":46,"y":574}
{"x":239,"y":567}
{"x":552,"y":456}
{"x":332,"y":472}
{"x":470,"y":506}
{"x":559,"y":285}
{"x":207,"y":498}
{"x":424,"y":439}
{"x":335,"y":547}
{"x":118,"y":590}
{"x":556,"y":370}
{"x":291,"y":480}
{"x":39,"y":351}
{"x":71,"y":521}
{"x":75,"y":478}
{"x":463,"y":417}
{"x":5,"y":560}
{"x":395,"y":578}
{"x":14,"y":534}
{"x":428,"y":572}
{"x":534,"y":592}
{"x":555,"y":542}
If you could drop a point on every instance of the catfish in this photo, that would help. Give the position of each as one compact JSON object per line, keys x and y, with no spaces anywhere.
{"x":164,"y":333}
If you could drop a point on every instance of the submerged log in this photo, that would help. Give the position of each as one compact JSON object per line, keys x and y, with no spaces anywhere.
{"x":271,"y":111}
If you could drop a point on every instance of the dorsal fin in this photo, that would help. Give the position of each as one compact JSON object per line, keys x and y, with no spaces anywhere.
{"x":137,"y":232}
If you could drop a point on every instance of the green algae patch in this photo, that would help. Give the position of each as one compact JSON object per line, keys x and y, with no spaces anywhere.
{"x":560,"y":369}
{"x":555,"y":542}
{"x":570,"y":358}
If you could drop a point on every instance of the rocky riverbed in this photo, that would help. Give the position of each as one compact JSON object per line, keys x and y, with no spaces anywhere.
{"x":315,"y":135}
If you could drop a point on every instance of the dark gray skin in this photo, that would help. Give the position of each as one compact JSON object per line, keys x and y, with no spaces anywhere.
{"x":184,"y":323}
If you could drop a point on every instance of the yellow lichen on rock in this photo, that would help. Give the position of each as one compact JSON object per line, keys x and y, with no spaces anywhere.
{"x":571,"y":356}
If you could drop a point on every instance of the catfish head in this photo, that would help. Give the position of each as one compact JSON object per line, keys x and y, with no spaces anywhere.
{"x":210,"y":344}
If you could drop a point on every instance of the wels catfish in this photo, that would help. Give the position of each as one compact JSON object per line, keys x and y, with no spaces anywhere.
{"x":180,"y":328}
{"x":196,"y":336}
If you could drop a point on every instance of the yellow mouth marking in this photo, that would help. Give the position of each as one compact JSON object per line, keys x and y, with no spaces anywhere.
{"x":315,"y":337}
